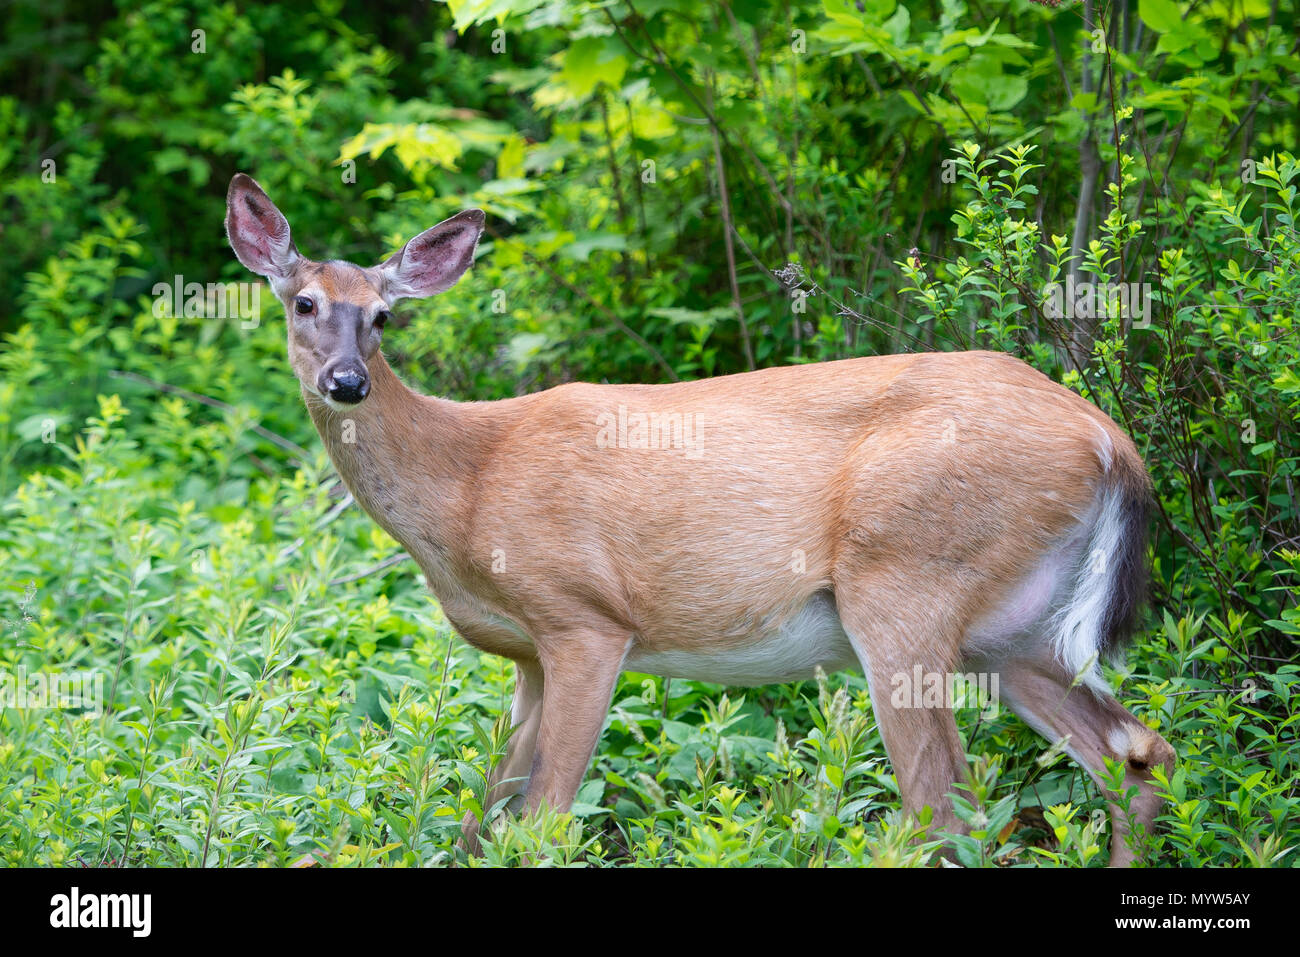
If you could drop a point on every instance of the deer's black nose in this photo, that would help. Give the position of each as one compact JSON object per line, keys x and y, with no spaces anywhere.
{"x":349,"y":386}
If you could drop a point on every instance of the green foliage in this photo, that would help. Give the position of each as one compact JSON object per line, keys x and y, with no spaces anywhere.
{"x":674,"y":190}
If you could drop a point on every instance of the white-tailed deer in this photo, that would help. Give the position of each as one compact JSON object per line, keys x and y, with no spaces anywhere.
{"x":950,"y":512}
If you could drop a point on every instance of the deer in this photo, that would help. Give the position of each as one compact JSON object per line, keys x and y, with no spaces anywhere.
{"x":901,"y":514}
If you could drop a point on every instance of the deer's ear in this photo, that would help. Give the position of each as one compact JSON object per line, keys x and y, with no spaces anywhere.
{"x":433,"y":261}
{"x":258,"y":232}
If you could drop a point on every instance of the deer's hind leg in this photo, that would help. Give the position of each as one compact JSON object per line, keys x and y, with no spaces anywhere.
{"x":899,"y":638}
{"x":1095,"y":726}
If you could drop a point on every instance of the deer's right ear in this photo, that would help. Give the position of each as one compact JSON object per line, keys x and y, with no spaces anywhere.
{"x":433,"y":261}
{"x":258,"y":232}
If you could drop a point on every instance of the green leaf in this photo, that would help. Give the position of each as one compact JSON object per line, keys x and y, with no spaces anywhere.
{"x":581,"y":249}
{"x":1160,"y":15}
{"x":705,"y":318}
{"x":587,"y":801}
{"x":414,"y":144}
{"x":510,"y":161}
{"x":589,"y":62}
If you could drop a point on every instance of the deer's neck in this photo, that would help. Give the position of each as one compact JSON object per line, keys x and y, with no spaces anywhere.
{"x":409,"y":460}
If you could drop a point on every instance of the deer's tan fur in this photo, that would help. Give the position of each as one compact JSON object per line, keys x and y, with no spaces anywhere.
{"x":893,"y":511}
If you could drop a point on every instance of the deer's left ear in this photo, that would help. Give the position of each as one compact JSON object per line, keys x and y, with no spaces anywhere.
{"x":433,"y":261}
{"x":258,"y":232}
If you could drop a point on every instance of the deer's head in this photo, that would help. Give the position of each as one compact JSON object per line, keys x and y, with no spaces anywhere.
{"x":336,"y":310}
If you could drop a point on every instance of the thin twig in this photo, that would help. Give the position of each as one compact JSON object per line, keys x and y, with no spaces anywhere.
{"x":583,"y":294}
{"x":724,"y":198}
{"x":388,"y":562}
{"x":265,"y":433}
{"x":329,"y":516}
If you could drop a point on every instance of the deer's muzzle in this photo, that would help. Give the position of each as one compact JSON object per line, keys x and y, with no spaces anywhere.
{"x":346,"y":385}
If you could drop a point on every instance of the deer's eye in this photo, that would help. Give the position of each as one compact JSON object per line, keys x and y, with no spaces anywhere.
{"x":302,"y":305}
{"x":381,"y":318}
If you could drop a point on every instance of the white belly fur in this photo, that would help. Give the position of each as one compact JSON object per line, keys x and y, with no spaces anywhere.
{"x":812,"y":637}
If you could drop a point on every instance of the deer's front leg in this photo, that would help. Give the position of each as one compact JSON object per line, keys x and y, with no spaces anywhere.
{"x":581,"y":671}
{"x":510,"y":776}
